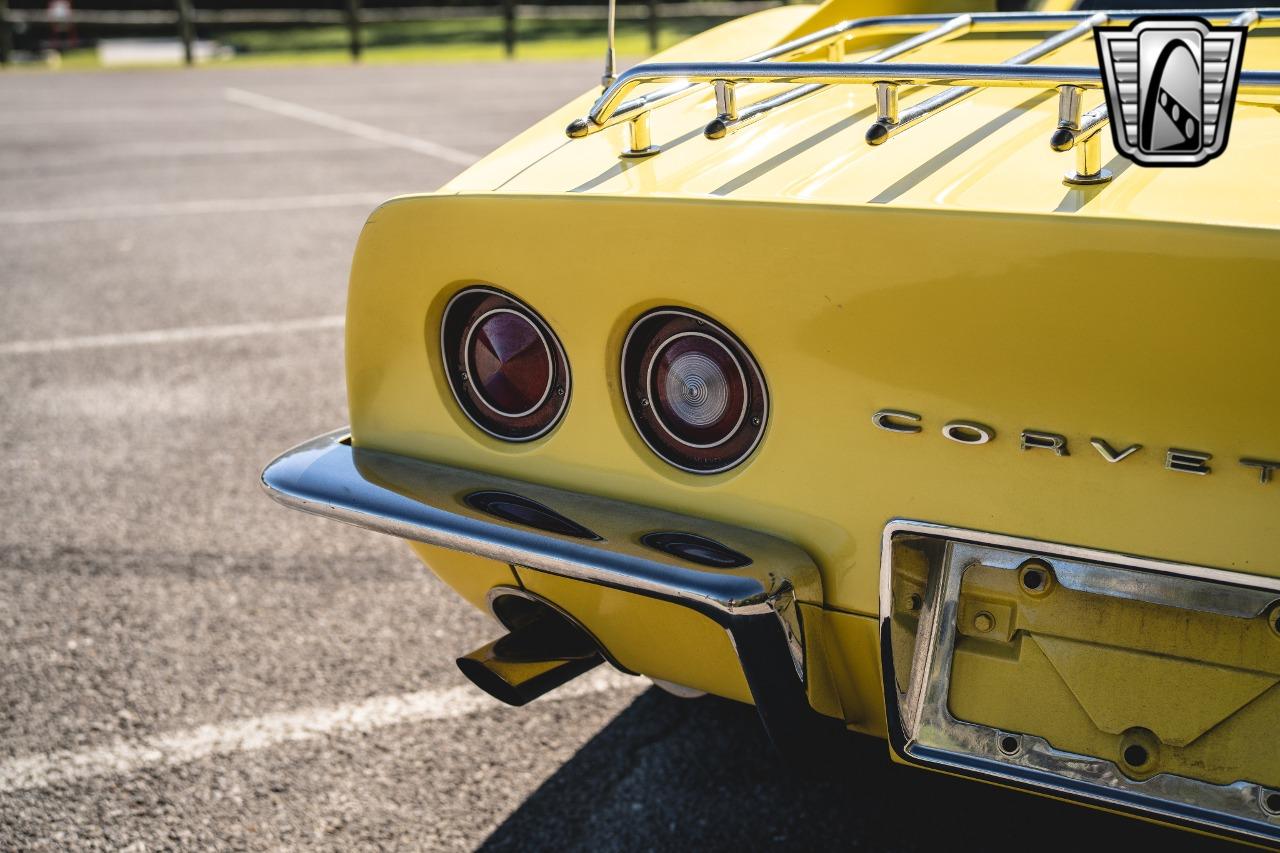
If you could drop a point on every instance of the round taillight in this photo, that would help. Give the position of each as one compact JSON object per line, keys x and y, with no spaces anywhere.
{"x":694,"y":392}
{"x":505,"y":366}
{"x":509,"y":362}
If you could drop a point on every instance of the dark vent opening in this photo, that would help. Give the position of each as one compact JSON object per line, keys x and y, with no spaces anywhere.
{"x":696,"y":549}
{"x":528,"y":513}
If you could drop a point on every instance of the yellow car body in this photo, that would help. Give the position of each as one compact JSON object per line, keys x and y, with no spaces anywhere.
{"x":1112,"y":345}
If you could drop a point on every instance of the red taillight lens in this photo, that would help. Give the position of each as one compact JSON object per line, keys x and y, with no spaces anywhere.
{"x":505,"y":366}
{"x":509,"y":362}
{"x":693,"y":390}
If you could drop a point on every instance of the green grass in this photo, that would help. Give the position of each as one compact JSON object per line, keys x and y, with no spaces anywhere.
{"x":462,"y":40}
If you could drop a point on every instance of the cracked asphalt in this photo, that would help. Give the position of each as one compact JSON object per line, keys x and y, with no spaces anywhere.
{"x":149,"y":590}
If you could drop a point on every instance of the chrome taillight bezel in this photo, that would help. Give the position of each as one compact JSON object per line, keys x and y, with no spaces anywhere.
{"x":462,"y":315}
{"x":648,"y":336}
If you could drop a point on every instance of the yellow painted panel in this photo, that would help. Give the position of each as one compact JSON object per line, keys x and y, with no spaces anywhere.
{"x":655,"y":638}
{"x":1120,"y":689}
{"x":1200,"y":692}
{"x":834,"y":11}
{"x":849,"y":310}
{"x":822,"y":678}
{"x":856,"y":640}
{"x":1024,"y":693}
{"x":470,"y":576}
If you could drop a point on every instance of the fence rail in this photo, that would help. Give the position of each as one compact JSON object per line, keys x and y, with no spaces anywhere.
{"x":184,"y":17}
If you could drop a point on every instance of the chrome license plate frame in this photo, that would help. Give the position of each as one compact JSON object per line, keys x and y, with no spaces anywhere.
{"x":922,"y":730}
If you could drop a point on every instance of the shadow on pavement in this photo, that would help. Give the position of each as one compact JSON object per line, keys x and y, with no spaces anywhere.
{"x":672,"y":774}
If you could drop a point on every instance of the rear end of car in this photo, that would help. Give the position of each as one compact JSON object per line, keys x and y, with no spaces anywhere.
{"x":997,"y":485}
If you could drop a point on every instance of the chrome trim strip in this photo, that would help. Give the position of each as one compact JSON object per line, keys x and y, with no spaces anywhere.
{"x":923,"y":731}
{"x":611,"y":108}
{"x":1167,"y":590}
{"x":901,"y":73}
{"x":757,"y":605}
{"x":1074,"y":552}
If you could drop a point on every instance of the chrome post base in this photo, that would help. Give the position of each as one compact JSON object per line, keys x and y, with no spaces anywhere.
{"x":1088,"y":170}
{"x":1075,"y":179}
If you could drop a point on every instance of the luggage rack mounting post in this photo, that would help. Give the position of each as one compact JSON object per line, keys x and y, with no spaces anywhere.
{"x":880,"y":131}
{"x":951,"y":28}
{"x":1080,"y":131}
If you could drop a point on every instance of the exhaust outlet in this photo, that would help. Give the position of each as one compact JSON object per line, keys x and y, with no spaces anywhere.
{"x":543,"y":650}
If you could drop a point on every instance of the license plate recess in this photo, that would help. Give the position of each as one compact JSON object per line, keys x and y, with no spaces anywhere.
{"x":1133,"y":684}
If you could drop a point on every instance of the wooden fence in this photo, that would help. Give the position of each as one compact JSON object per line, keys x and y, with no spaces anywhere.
{"x":184,"y":17}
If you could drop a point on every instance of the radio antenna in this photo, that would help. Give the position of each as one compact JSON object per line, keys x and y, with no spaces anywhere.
{"x":610,"y":61}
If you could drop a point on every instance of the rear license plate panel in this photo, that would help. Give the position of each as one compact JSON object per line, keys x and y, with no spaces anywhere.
{"x":1046,"y":666}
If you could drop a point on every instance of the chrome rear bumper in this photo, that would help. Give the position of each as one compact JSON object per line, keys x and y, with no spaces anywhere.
{"x":598,"y":542}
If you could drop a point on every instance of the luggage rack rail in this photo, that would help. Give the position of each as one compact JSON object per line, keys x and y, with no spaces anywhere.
{"x":1076,"y":130}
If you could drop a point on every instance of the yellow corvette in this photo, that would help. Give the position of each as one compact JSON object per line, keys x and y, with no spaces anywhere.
{"x":843,"y":361}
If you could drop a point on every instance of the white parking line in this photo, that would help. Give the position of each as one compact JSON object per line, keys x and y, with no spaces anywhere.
{"x":77,"y":113}
{"x":355,"y":128}
{"x":187,"y":208}
{"x":212,"y":147}
{"x":236,"y":736}
{"x":170,"y":336}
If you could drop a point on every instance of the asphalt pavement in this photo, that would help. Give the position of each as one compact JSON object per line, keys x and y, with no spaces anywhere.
{"x":186,"y":665}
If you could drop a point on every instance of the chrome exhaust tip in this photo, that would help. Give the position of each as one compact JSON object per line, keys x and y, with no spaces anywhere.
{"x":544,"y":649}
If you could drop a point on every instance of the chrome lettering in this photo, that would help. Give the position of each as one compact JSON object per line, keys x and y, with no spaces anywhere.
{"x":975,"y":432}
{"x":1035,"y":439}
{"x":968,"y":432}
{"x":891,"y":419}
{"x":1109,"y":453}
{"x":1265,"y":468}
{"x":1190,"y":461}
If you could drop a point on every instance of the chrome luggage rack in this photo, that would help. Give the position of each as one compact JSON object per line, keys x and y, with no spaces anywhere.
{"x":1075,"y":129}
